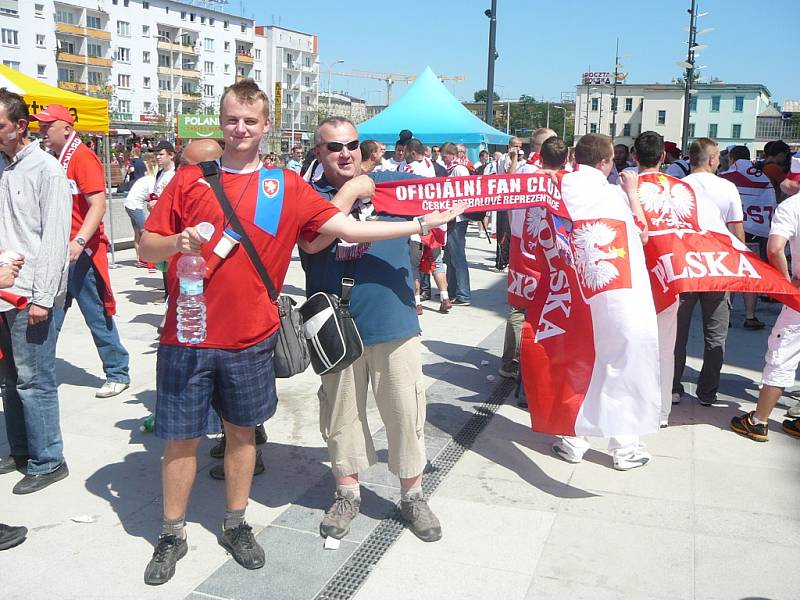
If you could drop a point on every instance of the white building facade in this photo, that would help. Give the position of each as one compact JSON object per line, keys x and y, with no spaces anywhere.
{"x":153,"y":59}
{"x":724,"y":112}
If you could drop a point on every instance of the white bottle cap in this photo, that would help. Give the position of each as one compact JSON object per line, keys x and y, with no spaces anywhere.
{"x":228,"y":240}
{"x":205,"y":230}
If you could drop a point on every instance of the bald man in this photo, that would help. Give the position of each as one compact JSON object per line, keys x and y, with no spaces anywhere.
{"x":201,"y":151}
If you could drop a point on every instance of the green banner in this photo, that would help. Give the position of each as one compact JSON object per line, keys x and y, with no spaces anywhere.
{"x":191,"y":127}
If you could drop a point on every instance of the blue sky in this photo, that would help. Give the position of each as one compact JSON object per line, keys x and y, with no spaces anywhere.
{"x":543,"y":46}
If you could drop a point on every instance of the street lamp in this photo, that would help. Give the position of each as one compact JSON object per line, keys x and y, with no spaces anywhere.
{"x":491,"y":14}
{"x":564,"y":129}
{"x":330,"y":73}
{"x":688,"y":64}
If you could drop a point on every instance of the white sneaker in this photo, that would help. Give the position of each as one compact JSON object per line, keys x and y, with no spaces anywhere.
{"x":564,"y":455}
{"x":111,"y":388}
{"x":676,"y":398}
{"x":637,"y":459}
{"x":794,"y":411}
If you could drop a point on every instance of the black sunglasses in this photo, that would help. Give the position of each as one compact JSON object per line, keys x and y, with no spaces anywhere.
{"x":337,"y":146}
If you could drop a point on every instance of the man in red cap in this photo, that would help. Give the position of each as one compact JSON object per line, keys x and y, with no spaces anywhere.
{"x":89,"y":281}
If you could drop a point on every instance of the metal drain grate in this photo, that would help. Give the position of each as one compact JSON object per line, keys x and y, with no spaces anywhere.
{"x":352,"y":574}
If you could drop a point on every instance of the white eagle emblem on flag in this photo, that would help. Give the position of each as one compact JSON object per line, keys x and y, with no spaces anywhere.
{"x":672,"y":205}
{"x":534,"y":221}
{"x":592,"y":262}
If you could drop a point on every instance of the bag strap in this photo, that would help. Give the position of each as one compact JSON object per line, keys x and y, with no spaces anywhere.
{"x":347,"y":283}
{"x":211,"y":175}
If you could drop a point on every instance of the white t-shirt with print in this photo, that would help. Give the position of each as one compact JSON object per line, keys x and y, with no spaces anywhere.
{"x":786,"y":223}
{"x":711,"y":190}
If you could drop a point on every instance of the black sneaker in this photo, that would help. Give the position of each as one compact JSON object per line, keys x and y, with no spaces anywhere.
{"x":753,"y":324}
{"x":169,"y":550}
{"x":33,"y":483}
{"x":261,"y":435}
{"x":792,"y":427}
{"x":243,"y":546}
{"x":218,"y":471}
{"x":218,"y":449}
{"x":13,"y":463}
{"x":744,"y":426}
{"x":707,"y":401}
{"x":11,"y":536}
{"x":461,"y":302}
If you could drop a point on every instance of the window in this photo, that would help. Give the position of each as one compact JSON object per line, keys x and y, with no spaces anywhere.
{"x":626,"y":130}
{"x":94,"y":50}
{"x":124,"y":55}
{"x":40,"y":40}
{"x":612,"y":130}
{"x":123,"y":81}
{"x":208,"y":44}
{"x":93,"y":22}
{"x":257,"y":74}
{"x":202,"y":20}
{"x":123,"y":28}
{"x":208,"y":90}
{"x":124,"y":106}
{"x":146,"y":83}
{"x":114,"y":2}
{"x":10,"y":37}
{"x":736,"y":132}
{"x":14,"y":64}
{"x":712,"y":130}
{"x":191,"y":17}
{"x":595,"y":103}
{"x":628,"y":104}
{"x":258,"y":54}
{"x":693,"y":103}
{"x":145,"y":30}
{"x":208,"y":67}
{"x":183,"y":15}
{"x":65,"y":46}
{"x":164,"y":85}
{"x":227,"y":69}
{"x":691,"y":130}
{"x":147,"y":106}
{"x":593,"y":128}
{"x":307,"y":61}
{"x":40,"y":71}
{"x":662,"y":117}
{"x":64,"y":16}
{"x":244,"y":28}
{"x":288,"y":81}
{"x":164,"y":61}
{"x":164,"y":35}
{"x":95,"y":77}
{"x":146,"y":56}
{"x":227,"y":46}
{"x":307,"y":81}
{"x":63,"y":74}
{"x":145,"y":5}
{"x":738,"y":104}
{"x":126,"y":3}
{"x":225,"y":25}
{"x":38,"y":11}
{"x":714,"y":103}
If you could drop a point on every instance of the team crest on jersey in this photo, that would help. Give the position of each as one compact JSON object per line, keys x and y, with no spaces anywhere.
{"x":669,"y":204}
{"x":600,"y":251}
{"x":271,"y":187}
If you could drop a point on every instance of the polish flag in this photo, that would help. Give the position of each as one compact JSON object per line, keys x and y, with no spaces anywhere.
{"x":589,"y":350}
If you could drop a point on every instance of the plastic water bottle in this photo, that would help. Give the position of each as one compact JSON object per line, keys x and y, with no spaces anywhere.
{"x":191,"y":302}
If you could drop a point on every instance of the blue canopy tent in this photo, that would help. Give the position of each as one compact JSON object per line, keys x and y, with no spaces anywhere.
{"x":434,"y":116}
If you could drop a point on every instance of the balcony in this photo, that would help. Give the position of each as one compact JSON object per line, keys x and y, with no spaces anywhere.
{"x":241,"y":57}
{"x":71,"y":58}
{"x":97,"y":61}
{"x":186,"y":97}
{"x":176,"y":72}
{"x":80,"y":87}
{"x":81,"y":31}
{"x":178,"y":47}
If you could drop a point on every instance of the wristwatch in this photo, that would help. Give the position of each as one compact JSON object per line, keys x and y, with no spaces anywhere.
{"x":423,"y":225}
{"x":80,"y":241}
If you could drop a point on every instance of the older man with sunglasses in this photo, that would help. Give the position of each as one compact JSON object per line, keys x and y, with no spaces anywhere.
{"x":382,"y":304}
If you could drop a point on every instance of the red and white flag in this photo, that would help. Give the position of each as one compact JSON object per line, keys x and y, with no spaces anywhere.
{"x":589,"y":354}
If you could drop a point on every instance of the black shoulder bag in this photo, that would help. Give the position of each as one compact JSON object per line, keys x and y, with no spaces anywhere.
{"x":291,"y":352}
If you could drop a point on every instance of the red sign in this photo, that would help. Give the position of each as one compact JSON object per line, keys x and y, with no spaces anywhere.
{"x":151,"y":118}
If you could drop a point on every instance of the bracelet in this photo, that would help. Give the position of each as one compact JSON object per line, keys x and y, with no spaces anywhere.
{"x":424,"y":228}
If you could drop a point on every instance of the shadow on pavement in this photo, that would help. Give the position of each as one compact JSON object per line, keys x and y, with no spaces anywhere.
{"x":68,"y":373}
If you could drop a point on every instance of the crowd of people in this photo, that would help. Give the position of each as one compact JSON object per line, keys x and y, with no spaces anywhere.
{"x":52,"y":200}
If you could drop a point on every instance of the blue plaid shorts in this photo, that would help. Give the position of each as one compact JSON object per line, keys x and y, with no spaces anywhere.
{"x":240,"y":384}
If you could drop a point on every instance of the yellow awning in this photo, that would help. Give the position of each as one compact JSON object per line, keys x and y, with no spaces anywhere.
{"x":91,"y":114}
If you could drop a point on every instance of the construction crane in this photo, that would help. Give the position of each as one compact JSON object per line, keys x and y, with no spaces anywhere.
{"x":391,"y":78}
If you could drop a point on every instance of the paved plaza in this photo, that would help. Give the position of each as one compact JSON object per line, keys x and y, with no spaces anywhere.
{"x":714,"y":516}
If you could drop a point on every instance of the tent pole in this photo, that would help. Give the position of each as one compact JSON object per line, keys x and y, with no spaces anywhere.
{"x":110,"y":212}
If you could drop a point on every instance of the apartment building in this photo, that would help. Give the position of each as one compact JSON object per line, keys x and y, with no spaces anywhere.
{"x":291,"y":59}
{"x":158,"y":58}
{"x":725,"y":112}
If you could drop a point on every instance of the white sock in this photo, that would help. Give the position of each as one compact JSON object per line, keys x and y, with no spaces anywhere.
{"x":443,"y":295}
{"x":418,"y":299}
{"x":414,"y":492}
{"x":756,"y":421}
{"x":349,"y":490}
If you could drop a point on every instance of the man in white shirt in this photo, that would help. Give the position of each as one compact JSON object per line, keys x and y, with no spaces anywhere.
{"x":515,"y":156}
{"x":783,"y":354}
{"x":709,"y":190}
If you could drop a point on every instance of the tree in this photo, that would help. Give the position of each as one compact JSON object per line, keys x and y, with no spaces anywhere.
{"x":481,"y":96}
